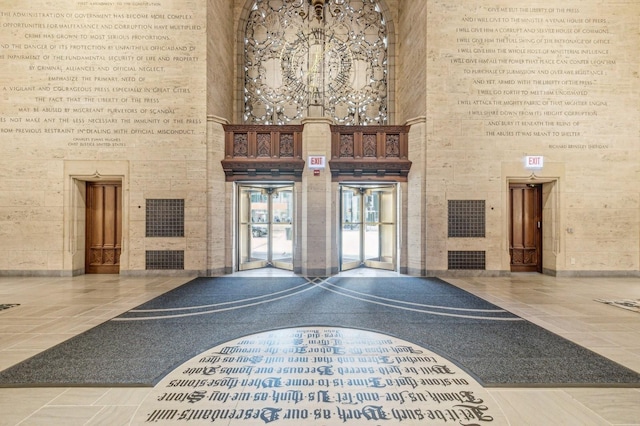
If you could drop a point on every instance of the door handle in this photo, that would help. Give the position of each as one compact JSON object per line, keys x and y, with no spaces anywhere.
{"x":539,"y":224}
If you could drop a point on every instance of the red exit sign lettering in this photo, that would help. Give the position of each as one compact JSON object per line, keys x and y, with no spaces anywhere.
{"x":533,"y":161}
{"x":316,"y":161}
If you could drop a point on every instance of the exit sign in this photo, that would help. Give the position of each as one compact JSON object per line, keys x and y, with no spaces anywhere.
{"x":317,"y":161}
{"x":533,"y":161}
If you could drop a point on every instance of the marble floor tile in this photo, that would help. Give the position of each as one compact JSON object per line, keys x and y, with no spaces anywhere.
{"x":617,"y":406}
{"x":52,"y":309}
{"x":62,"y":415}
{"x":545,"y":407}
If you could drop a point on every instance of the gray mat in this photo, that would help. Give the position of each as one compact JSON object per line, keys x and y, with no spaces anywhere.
{"x":141,"y":346}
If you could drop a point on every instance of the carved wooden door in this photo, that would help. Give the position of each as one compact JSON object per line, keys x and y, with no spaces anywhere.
{"x":525,"y":232}
{"x":104,"y":227}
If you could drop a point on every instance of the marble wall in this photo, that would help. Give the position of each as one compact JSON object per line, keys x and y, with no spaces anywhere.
{"x":137,"y":91}
{"x":412,"y":59}
{"x":508,"y":80}
{"x":221,"y":60}
{"x":96,"y":90}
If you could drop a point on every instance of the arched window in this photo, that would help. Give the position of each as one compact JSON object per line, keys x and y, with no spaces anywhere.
{"x":316,"y":58}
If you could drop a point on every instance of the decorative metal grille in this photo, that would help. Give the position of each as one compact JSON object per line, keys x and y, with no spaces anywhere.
{"x":466,"y":260}
{"x":164,"y":259}
{"x":466,"y":218}
{"x":295,"y":59}
{"x":165,"y":218}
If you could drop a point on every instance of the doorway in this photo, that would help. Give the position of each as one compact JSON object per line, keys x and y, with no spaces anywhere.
{"x":525,"y":231}
{"x":103,"y":227}
{"x":265,"y":226}
{"x":368,"y":226}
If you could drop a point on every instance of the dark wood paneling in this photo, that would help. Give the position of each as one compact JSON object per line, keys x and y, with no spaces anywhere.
{"x":104,"y":227}
{"x":525,"y":232}
{"x":254,"y":152}
{"x":347,"y":153}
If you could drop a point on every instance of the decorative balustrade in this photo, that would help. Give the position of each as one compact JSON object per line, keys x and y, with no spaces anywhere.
{"x":369,"y":153}
{"x":263,"y":152}
{"x":257,"y":152}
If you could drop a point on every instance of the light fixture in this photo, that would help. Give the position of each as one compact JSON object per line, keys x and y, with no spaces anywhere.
{"x":318,"y":7}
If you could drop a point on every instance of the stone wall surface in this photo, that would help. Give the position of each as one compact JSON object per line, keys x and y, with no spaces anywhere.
{"x":412,"y":75}
{"x":137,"y":91}
{"x":220,"y":58}
{"x":95,"y":84}
{"x":511,"y":79}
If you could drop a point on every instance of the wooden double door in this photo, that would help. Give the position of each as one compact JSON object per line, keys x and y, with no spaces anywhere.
{"x":104,"y":227}
{"x":525,"y":232}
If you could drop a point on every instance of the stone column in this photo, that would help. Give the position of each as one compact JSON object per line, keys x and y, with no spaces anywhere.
{"x":318,"y":210}
{"x":219,"y":203}
{"x":416,"y":199}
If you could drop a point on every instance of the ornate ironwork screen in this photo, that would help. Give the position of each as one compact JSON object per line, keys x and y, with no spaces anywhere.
{"x":298,"y":59}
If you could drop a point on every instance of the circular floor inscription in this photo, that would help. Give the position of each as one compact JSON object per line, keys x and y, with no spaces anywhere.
{"x":320,"y":376}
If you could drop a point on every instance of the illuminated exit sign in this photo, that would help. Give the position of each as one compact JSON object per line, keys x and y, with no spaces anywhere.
{"x":533,"y":161}
{"x":317,"y":161}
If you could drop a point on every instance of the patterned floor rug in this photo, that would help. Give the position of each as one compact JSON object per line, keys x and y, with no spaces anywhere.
{"x":4,"y":306}
{"x":628,"y":304}
{"x":143,"y":345}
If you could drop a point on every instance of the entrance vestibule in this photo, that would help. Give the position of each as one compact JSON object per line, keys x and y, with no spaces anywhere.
{"x":368,"y":226}
{"x":265,"y":225}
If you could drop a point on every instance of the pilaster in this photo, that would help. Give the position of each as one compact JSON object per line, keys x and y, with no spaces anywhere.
{"x":318,"y":209}
{"x":416,"y":201}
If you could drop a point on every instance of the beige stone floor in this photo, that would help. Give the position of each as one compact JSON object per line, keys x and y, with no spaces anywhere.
{"x":54,"y":309}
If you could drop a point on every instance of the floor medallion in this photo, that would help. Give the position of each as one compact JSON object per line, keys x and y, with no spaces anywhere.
{"x":319,"y":376}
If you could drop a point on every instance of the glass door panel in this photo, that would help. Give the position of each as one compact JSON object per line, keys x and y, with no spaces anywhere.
{"x":282,"y":227}
{"x":380,"y":238}
{"x":252,"y":228}
{"x":368,"y":226}
{"x":371,"y":227}
{"x":265,"y":226}
{"x":351,"y":226}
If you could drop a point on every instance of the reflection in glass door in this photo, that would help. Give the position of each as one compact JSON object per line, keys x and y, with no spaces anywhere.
{"x":265,"y":226}
{"x":368,"y":226}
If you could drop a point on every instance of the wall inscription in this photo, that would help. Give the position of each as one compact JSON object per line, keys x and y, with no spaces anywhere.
{"x":542,"y":72}
{"x":93,"y":75}
{"x":319,"y":376}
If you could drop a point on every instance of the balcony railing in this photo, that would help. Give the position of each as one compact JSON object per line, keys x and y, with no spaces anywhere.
{"x":369,"y":153}
{"x":254,"y":152}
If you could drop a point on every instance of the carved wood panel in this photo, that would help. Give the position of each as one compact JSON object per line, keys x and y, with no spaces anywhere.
{"x":369,"y":153}
{"x":104,"y":227}
{"x":254,"y":152}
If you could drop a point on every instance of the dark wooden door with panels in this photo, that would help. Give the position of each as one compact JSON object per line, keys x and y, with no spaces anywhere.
{"x":103,"y":227}
{"x":525,"y":230}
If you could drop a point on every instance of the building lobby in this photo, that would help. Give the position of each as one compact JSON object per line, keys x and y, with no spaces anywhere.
{"x":365,"y":171}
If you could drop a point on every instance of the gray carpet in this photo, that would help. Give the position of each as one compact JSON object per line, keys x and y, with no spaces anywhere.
{"x":141,"y":346}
